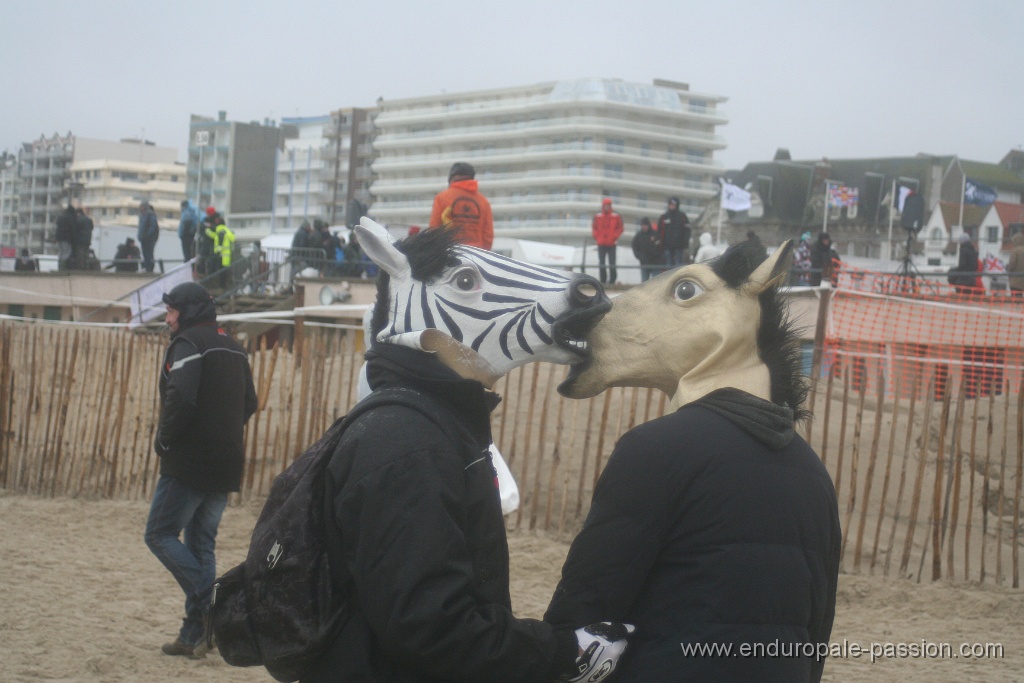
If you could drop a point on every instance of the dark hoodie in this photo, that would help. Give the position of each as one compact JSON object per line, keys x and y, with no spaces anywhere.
{"x":715,"y":524}
{"x":417,"y":519}
{"x":206,"y":396}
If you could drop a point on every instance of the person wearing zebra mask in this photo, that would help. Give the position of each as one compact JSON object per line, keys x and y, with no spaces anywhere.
{"x":412,"y":510}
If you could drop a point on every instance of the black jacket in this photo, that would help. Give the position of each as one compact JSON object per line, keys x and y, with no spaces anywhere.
{"x":66,"y":226}
{"x":823,"y":258}
{"x":705,"y":528}
{"x":424,"y":557}
{"x":646,"y":247}
{"x":674,"y":227}
{"x":965,"y":273}
{"x":206,"y":396}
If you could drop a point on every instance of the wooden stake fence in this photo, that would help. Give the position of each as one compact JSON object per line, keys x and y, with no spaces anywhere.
{"x":79,"y":408}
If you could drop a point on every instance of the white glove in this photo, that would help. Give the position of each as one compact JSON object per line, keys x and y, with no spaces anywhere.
{"x":601,"y":645}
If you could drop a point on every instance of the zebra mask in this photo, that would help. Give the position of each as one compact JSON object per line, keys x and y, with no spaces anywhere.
{"x":483,"y":314}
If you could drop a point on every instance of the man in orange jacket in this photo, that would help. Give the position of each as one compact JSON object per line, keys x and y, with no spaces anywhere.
{"x":462,"y":207}
{"x":607,"y":228}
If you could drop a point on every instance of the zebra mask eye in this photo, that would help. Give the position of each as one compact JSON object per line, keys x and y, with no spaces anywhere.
{"x":466,"y":279}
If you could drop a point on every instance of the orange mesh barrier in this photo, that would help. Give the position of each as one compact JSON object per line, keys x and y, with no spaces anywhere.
{"x":915,"y":331}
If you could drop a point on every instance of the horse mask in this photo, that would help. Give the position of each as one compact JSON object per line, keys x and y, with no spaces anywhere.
{"x":699,"y":328}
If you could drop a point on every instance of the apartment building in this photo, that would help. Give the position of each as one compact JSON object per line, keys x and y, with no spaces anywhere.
{"x":107,"y":177}
{"x":349,"y":154}
{"x":231,"y":164}
{"x":110,"y":180}
{"x":302,"y":176}
{"x":8,"y":198}
{"x":546,"y":154}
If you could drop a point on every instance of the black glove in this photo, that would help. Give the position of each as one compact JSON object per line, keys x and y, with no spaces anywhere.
{"x":601,"y":645}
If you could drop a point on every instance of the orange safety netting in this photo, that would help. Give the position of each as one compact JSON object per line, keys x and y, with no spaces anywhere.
{"x":910,"y":332}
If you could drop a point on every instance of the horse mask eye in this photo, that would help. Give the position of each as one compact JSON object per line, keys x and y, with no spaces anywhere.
{"x":687,"y":289}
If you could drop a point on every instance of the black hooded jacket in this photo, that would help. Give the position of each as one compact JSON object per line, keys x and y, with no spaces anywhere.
{"x":714,"y":526}
{"x":206,"y":396}
{"x":419,"y":529}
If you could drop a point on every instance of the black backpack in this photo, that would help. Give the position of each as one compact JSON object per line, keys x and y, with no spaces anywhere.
{"x":280,"y":607}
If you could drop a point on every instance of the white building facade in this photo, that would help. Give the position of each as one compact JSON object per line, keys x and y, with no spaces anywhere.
{"x":545,"y":155}
{"x":303,"y":172}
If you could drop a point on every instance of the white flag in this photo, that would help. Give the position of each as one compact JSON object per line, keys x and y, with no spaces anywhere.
{"x":904,"y":192}
{"x":734,"y":198}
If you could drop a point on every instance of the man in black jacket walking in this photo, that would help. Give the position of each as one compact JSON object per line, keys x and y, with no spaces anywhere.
{"x":206,"y":396}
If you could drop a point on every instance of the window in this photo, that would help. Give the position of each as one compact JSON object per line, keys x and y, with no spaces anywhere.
{"x":17,"y":310}
{"x":613,"y":170}
{"x":615,"y":146}
{"x":993,"y":233}
{"x":641,"y":198}
{"x":51,"y":313}
{"x":645,"y":149}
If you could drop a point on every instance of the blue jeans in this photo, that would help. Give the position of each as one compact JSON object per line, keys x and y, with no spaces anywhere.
{"x":148,"y":261}
{"x":675,"y":258}
{"x":177,"y":507}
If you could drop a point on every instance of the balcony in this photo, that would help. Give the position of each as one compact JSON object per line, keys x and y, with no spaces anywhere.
{"x":498,"y":182}
{"x":491,"y":107}
{"x":534,"y":154}
{"x":572,"y":125}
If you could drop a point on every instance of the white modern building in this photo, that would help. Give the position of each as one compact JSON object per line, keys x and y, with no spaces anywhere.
{"x":545,"y":155}
{"x":302,"y":174}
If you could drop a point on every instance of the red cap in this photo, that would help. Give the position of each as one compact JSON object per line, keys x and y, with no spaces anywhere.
{"x":606,"y":200}
{"x":210,"y":211}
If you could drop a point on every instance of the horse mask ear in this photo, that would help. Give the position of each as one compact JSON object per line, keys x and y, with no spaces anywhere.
{"x":773,"y":270}
{"x":378,"y":244}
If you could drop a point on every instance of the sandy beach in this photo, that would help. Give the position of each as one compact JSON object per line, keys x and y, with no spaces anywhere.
{"x":83,"y":600}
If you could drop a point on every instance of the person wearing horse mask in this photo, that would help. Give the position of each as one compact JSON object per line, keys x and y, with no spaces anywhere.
{"x":713,"y":529}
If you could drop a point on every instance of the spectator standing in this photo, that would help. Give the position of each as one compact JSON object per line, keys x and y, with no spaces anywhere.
{"x":206,"y":397}
{"x":674,"y":227}
{"x":461,"y":206}
{"x":1015,"y":266}
{"x":327,"y":243}
{"x":606,"y":227}
{"x":707,"y":249}
{"x":24,"y":262}
{"x":647,"y":249}
{"x":206,"y":260}
{"x":223,"y":246}
{"x":802,"y":261}
{"x":966,"y":278}
{"x":148,"y":234}
{"x":65,"y":237}
{"x":302,"y":240}
{"x":82,"y":242}
{"x":188,"y":225}
{"x":823,"y":260}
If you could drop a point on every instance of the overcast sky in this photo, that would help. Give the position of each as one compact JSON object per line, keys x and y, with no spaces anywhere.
{"x":822,"y":78}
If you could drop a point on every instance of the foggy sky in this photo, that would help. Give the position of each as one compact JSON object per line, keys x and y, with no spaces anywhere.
{"x":824,"y":78}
